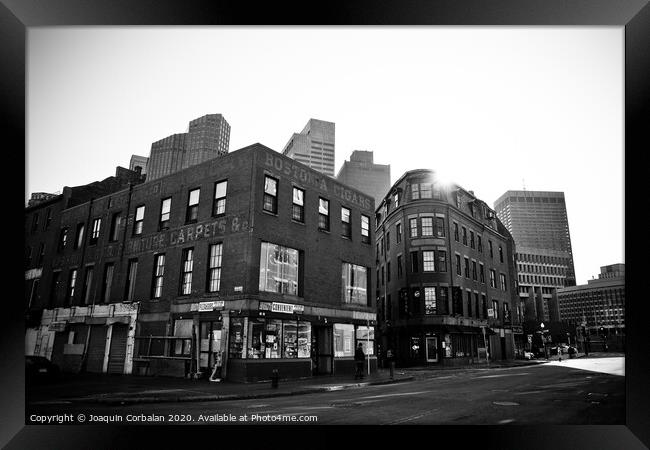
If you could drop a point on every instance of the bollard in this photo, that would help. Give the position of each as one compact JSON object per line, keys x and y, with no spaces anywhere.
{"x":274,"y":378}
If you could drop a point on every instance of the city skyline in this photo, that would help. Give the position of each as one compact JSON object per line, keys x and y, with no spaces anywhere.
{"x":492,"y":108}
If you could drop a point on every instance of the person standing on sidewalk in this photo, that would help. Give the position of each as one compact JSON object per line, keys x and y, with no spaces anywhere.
{"x":359,"y":358}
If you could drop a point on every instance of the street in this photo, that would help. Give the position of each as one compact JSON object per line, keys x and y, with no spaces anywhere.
{"x":579,"y":391}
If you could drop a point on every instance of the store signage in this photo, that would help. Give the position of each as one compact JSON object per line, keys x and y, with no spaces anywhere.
{"x":287,"y":308}
{"x":517,"y":329}
{"x":490,"y":312}
{"x":210,"y":306}
{"x":239,"y":288}
{"x":33,"y":273}
{"x":57,"y":326}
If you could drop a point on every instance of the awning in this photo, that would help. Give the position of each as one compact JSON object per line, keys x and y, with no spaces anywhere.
{"x":119,"y":319}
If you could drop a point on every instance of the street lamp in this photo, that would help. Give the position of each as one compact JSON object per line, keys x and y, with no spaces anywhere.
{"x":543,"y":340}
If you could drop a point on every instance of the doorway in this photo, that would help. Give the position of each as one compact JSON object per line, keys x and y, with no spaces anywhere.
{"x":432,"y":348}
{"x":209,"y":344}
{"x":322,"y":353}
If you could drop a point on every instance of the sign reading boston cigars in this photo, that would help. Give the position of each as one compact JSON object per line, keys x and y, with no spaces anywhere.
{"x":183,"y":235}
{"x":325,"y":184}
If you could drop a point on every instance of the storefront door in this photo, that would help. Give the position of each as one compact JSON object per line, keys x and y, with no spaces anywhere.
{"x":432,"y":348}
{"x":322,"y":350}
{"x":210,"y":343}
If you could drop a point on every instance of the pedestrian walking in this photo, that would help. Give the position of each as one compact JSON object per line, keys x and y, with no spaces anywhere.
{"x":559,"y":353}
{"x":359,"y":358}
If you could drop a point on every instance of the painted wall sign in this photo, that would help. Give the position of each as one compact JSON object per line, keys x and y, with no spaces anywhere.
{"x":183,"y":235}
{"x":298,"y":173}
{"x":490,"y":312}
{"x":33,"y":273}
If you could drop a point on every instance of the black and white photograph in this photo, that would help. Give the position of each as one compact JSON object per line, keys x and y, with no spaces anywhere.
{"x":311,"y":226}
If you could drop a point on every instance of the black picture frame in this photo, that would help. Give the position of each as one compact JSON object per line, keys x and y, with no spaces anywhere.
{"x":634,"y":15}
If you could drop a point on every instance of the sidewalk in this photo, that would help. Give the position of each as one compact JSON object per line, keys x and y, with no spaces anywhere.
{"x":131,"y":389}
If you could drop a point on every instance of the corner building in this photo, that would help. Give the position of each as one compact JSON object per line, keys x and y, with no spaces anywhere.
{"x":252,"y":259}
{"x":445,"y":275}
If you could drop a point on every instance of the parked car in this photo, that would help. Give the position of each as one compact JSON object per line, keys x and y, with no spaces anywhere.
{"x":39,"y":368}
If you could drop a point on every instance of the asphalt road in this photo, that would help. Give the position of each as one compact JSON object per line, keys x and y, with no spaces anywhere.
{"x":543,"y":394}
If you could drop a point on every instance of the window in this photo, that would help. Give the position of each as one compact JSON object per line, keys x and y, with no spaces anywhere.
{"x":355,"y":284}
{"x":54,"y":287}
{"x":48,"y":218}
{"x":158,"y":272}
{"x":502,"y":280}
{"x":399,"y":266}
{"x":484,"y":306}
{"x":41,"y":254}
{"x":323,"y":214}
{"x":458,"y":268}
{"x":214,"y":267}
{"x":474,"y":270}
{"x":442,"y":302}
{"x":139,"y":220}
{"x":506,"y":312}
{"x":387,"y":240}
{"x":34,"y":222}
{"x":365,"y":229}
{"x":79,"y":237}
{"x":88,"y":284}
{"x":116,"y":220}
{"x":491,"y":249}
{"x":427,"y":226}
{"x":500,"y":253}
{"x":471,"y":239}
{"x":442,"y":261}
{"x":464,"y":236}
{"x":398,"y":233}
{"x":219,"y":204}
{"x":396,"y":199}
{"x":186,"y":271}
{"x":440,"y":227}
{"x":495,"y":309}
{"x":413,"y":225}
{"x":97,"y":225}
{"x":477,"y":306}
{"x":493,"y":282}
{"x":279,"y":267}
{"x":414,"y":262}
{"x":298,"y":208}
{"x":429,"y":300}
{"x":480,"y":243}
{"x":182,"y":328}
{"x":28,"y":256}
{"x":428,"y":261}
{"x":415,"y":191}
{"x":366,"y":337}
{"x":377,"y":278}
{"x":192,"y":213}
{"x":165,"y":213}
{"x":130,"y":279}
{"x":481,"y":273}
{"x":72,"y":281}
{"x":388,"y":272}
{"x":466,"y":267}
{"x":383,"y":273}
{"x":425,"y":190}
{"x":107,"y":282}
{"x":469,"y":304}
{"x":346,"y":227}
{"x":270,"y":195}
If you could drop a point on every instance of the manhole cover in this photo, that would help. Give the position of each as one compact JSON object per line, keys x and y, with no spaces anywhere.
{"x":506,"y":403}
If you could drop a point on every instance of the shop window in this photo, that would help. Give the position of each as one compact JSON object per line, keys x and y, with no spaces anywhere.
{"x":182,"y":328}
{"x":366,"y":337}
{"x":343,"y":340}
{"x":298,"y":208}
{"x":355,"y":284}
{"x":270,"y":202}
{"x":279,"y":269}
{"x":236,"y":339}
{"x":219,"y":204}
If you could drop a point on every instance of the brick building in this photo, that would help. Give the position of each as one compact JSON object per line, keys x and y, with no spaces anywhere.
{"x":252,"y":259}
{"x":445,"y":272}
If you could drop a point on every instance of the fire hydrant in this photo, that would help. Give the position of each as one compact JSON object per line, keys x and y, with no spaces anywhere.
{"x":274,"y":378}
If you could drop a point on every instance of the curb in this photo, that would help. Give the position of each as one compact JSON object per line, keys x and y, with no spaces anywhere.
{"x":215,"y":397}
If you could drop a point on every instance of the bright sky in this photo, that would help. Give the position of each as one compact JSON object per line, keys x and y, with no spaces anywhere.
{"x":491,"y":108}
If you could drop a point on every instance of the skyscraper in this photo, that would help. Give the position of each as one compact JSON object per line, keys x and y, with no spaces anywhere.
{"x":361,"y":173}
{"x":313,"y":146}
{"x":207,"y":137}
{"x":538,"y":222}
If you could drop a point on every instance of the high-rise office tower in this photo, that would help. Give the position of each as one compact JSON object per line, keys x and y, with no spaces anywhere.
{"x":139,"y":161}
{"x":207,"y":137}
{"x":538,"y":222}
{"x":313,"y":146}
{"x":361,"y":173}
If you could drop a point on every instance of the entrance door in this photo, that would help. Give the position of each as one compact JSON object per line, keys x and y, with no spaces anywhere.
{"x":432,"y":348}
{"x":322,"y":350}
{"x":503,"y":348}
{"x":96,"y":349}
{"x":117,"y":352}
{"x":210,"y":342}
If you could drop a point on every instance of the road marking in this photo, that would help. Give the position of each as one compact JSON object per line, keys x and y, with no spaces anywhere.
{"x":393,"y":395}
{"x":413,"y":417}
{"x":506,"y":403}
{"x":527,"y":392}
{"x":504,"y":421}
{"x":505,"y":375}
